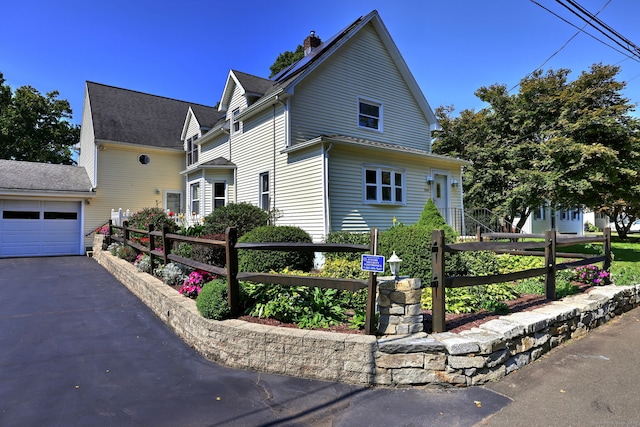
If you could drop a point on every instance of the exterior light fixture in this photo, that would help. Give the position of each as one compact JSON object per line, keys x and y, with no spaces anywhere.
{"x":454,"y":183}
{"x":394,"y":264}
{"x":429,"y":179}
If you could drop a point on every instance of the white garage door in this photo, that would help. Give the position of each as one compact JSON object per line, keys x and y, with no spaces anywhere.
{"x":39,"y":228}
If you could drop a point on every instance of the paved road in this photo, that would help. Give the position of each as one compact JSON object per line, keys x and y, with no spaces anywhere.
{"x":78,"y":349}
{"x":591,"y":381}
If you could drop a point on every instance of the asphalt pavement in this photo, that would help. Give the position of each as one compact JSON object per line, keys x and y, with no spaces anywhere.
{"x":78,"y":349}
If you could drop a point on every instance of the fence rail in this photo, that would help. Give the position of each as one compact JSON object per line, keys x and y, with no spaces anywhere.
{"x":546,"y":248}
{"x":233,"y":276}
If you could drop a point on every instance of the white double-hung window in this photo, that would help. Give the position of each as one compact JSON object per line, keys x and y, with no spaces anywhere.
{"x":384,"y":185}
{"x":195,"y":198}
{"x":369,"y":114}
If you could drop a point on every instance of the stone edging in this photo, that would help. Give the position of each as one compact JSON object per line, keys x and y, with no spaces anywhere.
{"x":473,"y":357}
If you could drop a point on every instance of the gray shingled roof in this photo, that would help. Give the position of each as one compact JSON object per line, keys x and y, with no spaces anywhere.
{"x":123,"y":115}
{"x":253,"y":84}
{"x":31,"y":176}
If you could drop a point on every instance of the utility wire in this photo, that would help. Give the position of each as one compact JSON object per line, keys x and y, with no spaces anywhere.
{"x":629,"y":47}
{"x":585,"y":32}
{"x":563,"y":46}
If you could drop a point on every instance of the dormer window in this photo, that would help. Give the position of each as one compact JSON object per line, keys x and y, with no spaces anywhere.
{"x":369,"y":114}
{"x":192,"y":150}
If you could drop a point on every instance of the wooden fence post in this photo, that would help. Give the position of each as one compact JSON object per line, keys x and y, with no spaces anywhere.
{"x":438,"y":282}
{"x":165,"y":245}
{"x":125,"y":224}
{"x":152,"y":246}
{"x":550,"y":264}
{"x":370,"y":316}
{"x":233,"y":288}
{"x":607,"y":249}
{"x":109,"y":241}
{"x":479,"y":234}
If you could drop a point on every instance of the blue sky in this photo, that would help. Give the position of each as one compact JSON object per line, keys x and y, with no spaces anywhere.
{"x":185,"y":49}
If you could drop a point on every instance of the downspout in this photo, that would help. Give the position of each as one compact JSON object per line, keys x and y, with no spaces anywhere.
{"x":278,"y":100}
{"x":325,"y":179}
{"x":273,"y":211}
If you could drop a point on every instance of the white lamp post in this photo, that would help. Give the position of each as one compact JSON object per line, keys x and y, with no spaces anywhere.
{"x":394,"y":264}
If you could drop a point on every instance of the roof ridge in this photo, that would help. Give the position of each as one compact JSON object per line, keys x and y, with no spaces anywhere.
{"x":149,"y":94}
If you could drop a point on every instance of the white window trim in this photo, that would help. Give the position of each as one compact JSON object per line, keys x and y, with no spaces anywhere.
{"x":224,"y":198}
{"x":164,"y":199}
{"x":261,"y":193}
{"x":379,"y":169}
{"x":235,"y":122}
{"x":191,"y":199}
{"x":195,"y":148}
{"x":380,"y":117}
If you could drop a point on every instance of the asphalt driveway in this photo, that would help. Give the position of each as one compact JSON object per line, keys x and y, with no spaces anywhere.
{"x":78,"y":349}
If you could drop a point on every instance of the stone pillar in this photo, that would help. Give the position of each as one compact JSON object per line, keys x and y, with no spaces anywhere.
{"x":399,"y":306}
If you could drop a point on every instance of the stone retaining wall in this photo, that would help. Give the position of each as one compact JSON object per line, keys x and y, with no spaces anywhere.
{"x":472,"y":357}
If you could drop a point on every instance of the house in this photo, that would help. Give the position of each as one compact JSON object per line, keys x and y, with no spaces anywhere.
{"x":42,"y":208}
{"x":341,"y":140}
{"x":564,"y":221}
{"x":131,"y":149}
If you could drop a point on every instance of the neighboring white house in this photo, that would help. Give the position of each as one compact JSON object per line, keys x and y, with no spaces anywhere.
{"x":341,"y":140}
{"x":565,"y":221}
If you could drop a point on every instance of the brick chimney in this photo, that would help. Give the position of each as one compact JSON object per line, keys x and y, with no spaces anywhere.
{"x":311,"y":43}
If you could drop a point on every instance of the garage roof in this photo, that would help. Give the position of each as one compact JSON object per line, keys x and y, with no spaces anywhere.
{"x":17,"y":176}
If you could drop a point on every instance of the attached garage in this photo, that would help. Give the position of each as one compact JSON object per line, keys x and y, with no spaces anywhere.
{"x":42,"y":209}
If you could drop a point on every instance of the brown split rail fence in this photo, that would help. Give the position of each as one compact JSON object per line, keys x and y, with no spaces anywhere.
{"x":545,"y":246}
{"x":233,"y":276}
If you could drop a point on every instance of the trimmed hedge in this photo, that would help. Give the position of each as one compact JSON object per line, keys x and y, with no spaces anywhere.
{"x":243,"y":216}
{"x":212,"y":300}
{"x":265,"y":261}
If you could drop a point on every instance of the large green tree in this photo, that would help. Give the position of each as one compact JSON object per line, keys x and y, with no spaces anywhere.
{"x":573,"y":144}
{"x":35,"y":127}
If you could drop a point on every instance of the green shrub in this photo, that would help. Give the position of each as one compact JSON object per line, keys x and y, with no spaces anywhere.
{"x":471,"y":299}
{"x":432,"y":219}
{"x":113,"y":248}
{"x":182,"y":249}
{"x":212,"y":300}
{"x":346,"y":237}
{"x":156,"y":216}
{"x":127,"y":253}
{"x":343,"y":269}
{"x":513,"y":263}
{"x":212,"y":255}
{"x":413,"y":245}
{"x":265,"y":261}
{"x":174,"y":274}
{"x":308,"y":307}
{"x":243,"y":216}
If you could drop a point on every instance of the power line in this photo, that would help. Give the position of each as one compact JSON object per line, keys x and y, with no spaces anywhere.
{"x":561,"y":47}
{"x":606,"y":30}
{"x":632,"y":56}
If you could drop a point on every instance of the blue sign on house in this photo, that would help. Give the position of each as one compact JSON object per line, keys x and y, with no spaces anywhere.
{"x":373,"y":263}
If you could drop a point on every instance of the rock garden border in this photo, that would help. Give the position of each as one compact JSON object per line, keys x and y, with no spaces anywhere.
{"x":472,"y":357}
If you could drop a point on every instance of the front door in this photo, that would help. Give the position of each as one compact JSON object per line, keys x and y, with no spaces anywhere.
{"x":440,"y":195}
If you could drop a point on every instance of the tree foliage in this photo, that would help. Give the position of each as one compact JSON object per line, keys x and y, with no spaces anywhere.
{"x":286,"y":59}
{"x":571,"y":144}
{"x":35,"y":127}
